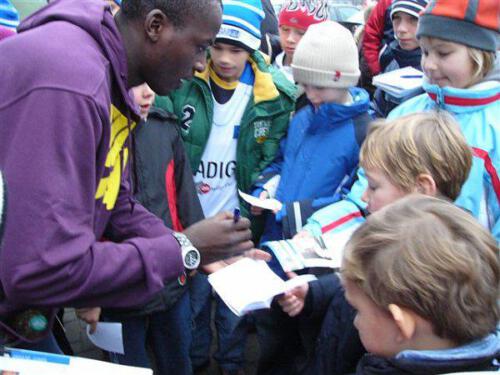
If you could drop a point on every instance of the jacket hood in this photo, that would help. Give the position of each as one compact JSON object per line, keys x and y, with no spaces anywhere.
{"x":333,"y":114}
{"x":95,"y":18}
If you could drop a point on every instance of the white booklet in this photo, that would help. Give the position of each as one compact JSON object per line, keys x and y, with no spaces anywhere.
{"x":322,"y":251}
{"x":268,"y":204}
{"x":250,"y":285}
{"x":401,"y":82}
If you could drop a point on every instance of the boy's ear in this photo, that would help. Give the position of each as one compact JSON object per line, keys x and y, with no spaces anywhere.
{"x":426,"y":184}
{"x":405,"y":320}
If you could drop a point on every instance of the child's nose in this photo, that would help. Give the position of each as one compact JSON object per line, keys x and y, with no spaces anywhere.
{"x":364,"y":197}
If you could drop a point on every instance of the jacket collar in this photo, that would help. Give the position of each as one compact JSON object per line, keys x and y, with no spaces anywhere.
{"x":464,"y":100}
{"x":264,"y":88}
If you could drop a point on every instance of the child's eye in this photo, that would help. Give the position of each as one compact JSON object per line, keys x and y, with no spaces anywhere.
{"x":443,"y":54}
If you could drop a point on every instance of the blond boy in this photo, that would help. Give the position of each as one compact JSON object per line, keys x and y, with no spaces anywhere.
{"x":424,"y":278}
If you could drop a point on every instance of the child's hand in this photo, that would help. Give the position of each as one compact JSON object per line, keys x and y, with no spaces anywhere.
{"x":303,"y":234}
{"x":89,"y":315}
{"x":257,"y":211}
{"x":292,"y":302}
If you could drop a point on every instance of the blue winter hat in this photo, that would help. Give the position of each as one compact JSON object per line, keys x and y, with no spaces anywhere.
{"x":241,"y":21}
{"x":9,"y":17}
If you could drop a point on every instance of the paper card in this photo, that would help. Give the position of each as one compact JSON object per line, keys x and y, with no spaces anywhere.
{"x":250,"y":285}
{"x":107,"y":336}
{"x":267,"y":204}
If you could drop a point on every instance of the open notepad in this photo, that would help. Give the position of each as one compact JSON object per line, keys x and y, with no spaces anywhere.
{"x":251,"y":285}
{"x":400,"y":83}
{"x":321,"y":251}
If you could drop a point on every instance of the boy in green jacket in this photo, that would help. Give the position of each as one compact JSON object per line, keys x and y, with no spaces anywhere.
{"x":232,"y":117}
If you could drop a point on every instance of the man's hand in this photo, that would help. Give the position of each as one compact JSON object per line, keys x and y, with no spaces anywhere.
{"x":254,"y":254}
{"x":89,"y":315}
{"x":219,"y":237}
{"x":292,"y":302}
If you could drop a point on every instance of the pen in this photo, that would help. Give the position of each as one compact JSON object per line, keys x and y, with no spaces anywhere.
{"x":412,"y":76}
{"x":236,"y":215}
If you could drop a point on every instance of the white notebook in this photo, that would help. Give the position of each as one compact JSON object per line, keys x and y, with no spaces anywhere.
{"x":251,"y":285}
{"x":401,"y":82}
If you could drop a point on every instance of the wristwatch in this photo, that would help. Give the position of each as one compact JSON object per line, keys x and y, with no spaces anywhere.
{"x":190,"y":254}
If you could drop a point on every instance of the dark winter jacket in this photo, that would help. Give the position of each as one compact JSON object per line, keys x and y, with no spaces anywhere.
{"x":338,"y":347}
{"x":393,"y":57}
{"x":164,"y":185}
{"x":481,"y":355}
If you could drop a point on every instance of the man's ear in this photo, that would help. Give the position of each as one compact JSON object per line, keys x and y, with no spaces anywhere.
{"x":156,"y":23}
{"x":426,"y":184}
{"x":405,"y":320}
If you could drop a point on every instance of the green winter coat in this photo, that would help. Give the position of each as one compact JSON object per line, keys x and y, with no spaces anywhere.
{"x":263,"y":124}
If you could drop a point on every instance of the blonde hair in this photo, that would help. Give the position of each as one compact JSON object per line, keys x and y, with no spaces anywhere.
{"x":427,"y":142}
{"x":482,"y":61}
{"x":433,"y":258}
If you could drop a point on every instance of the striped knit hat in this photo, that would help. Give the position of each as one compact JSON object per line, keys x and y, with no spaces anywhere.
{"x":241,"y":21}
{"x":411,"y":7}
{"x":474,"y":23}
{"x":8,"y":15}
{"x":303,"y":13}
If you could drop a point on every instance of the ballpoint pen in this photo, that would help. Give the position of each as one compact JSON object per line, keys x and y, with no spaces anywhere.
{"x":236,"y":215}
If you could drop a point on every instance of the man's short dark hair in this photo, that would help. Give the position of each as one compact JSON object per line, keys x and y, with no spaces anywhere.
{"x":177,"y":11}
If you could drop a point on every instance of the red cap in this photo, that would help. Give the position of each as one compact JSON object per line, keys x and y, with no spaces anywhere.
{"x":302,"y":14}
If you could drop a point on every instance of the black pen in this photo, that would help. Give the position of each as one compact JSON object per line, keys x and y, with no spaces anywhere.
{"x":236,"y":215}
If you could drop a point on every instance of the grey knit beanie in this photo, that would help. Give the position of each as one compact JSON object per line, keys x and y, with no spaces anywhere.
{"x":326,"y":56}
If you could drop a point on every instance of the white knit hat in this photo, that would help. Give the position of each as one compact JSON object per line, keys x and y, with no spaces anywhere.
{"x":326,"y":56}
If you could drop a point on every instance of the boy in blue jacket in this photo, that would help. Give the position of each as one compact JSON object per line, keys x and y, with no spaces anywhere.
{"x":316,"y":159}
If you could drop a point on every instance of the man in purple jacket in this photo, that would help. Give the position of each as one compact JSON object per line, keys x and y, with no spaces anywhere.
{"x":75,"y":235}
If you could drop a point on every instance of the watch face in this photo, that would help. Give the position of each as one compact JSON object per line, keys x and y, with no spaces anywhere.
{"x":191,"y":259}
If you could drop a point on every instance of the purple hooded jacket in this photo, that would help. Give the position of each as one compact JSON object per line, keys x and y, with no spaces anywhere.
{"x":65,"y":116}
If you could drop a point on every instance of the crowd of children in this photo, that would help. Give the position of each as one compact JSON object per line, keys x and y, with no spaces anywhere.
{"x":419,"y":285}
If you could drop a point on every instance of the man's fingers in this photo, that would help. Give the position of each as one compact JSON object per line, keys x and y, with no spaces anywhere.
{"x":240,"y":248}
{"x":291,"y":275}
{"x":93,"y":327}
{"x":258,"y":254}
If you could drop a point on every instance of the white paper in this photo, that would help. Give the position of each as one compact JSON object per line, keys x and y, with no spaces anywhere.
{"x":107,"y":336}
{"x":268,"y":204}
{"x":250,"y":285}
{"x":400,"y":82}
